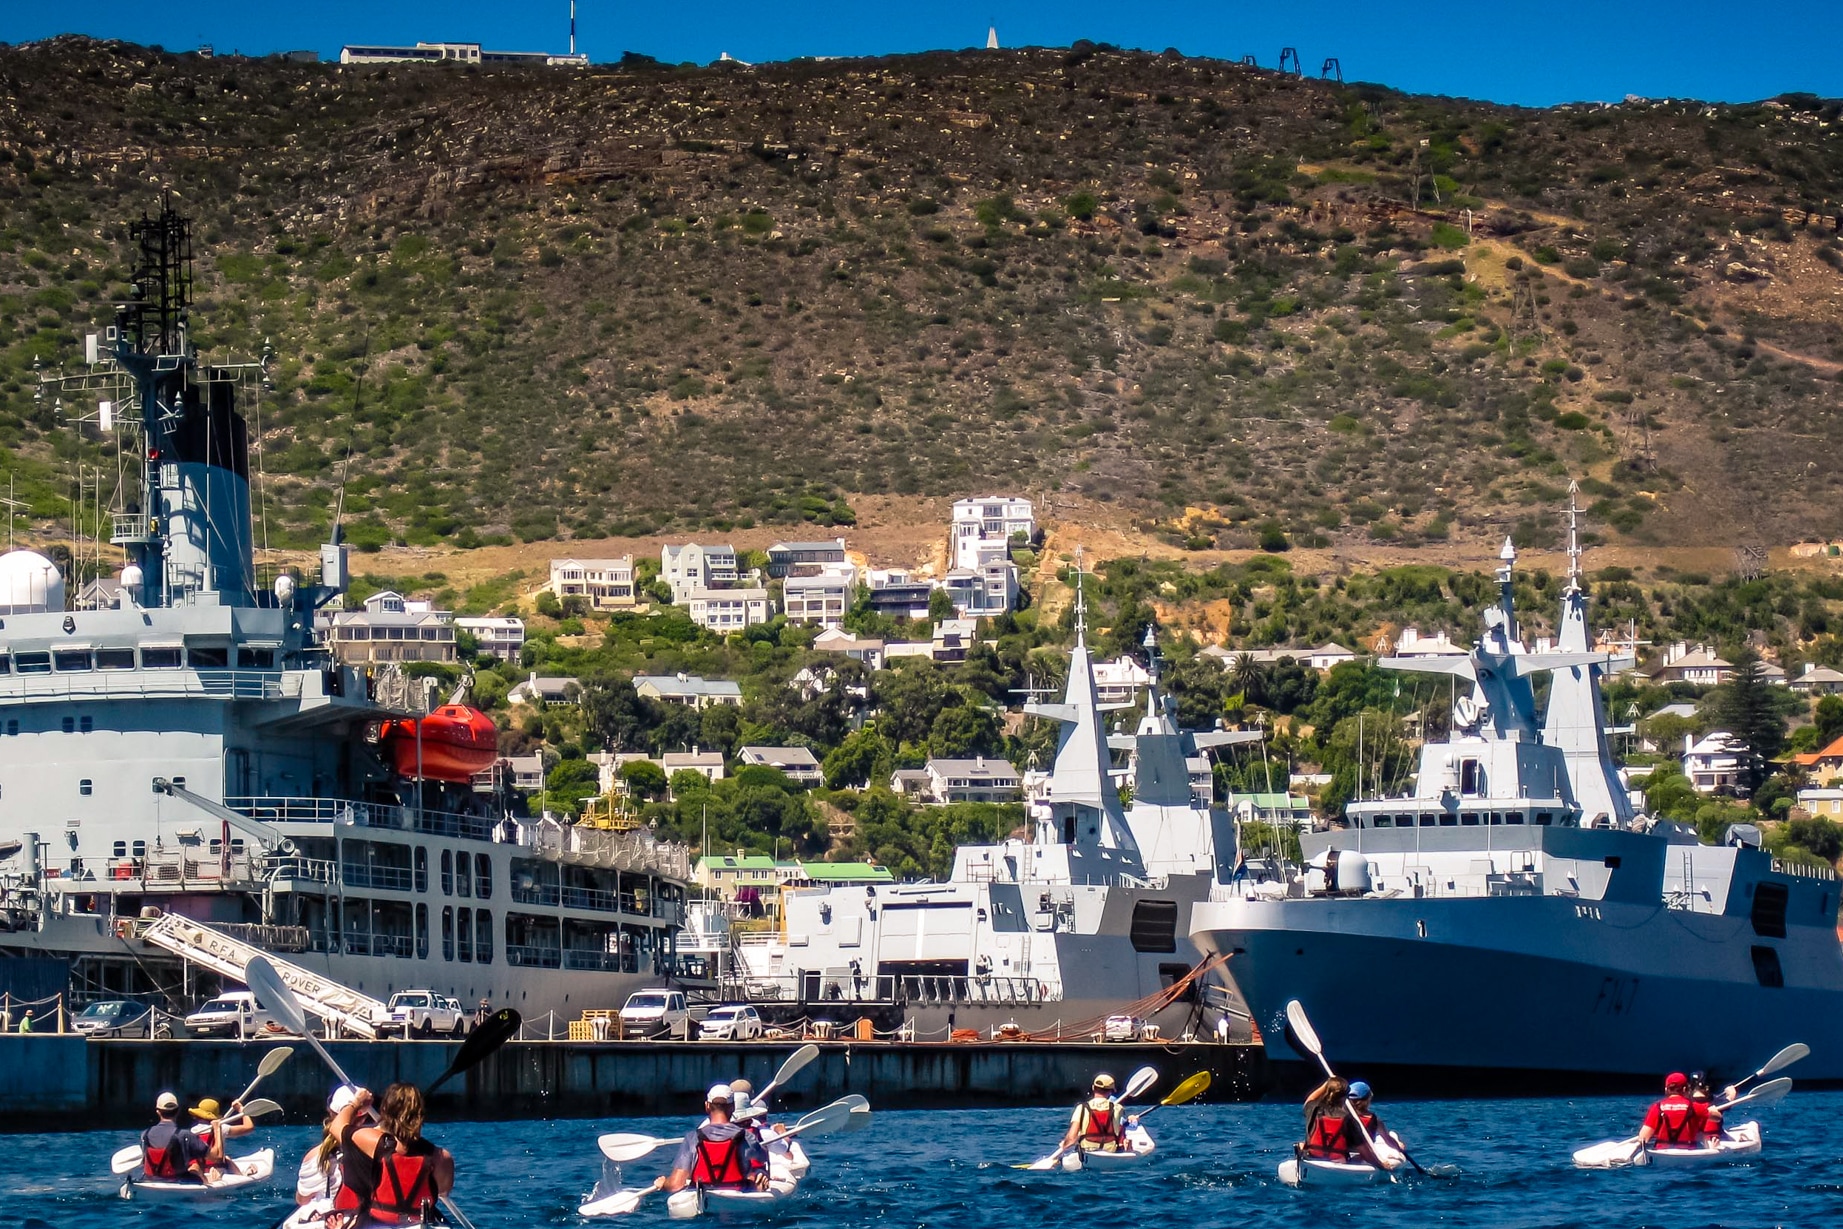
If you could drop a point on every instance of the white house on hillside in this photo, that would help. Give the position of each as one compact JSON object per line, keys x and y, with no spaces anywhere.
{"x":983,"y":528}
{"x":501,"y":636}
{"x":821,"y":598}
{"x":1713,"y":764}
{"x":693,"y":566}
{"x":607,"y":584}
{"x":728,"y":610}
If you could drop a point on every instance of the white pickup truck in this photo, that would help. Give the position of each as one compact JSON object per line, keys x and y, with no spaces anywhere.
{"x":651,"y":1014}
{"x":424,"y":1013}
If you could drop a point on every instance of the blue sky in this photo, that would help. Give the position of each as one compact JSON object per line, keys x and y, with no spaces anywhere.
{"x":1536,"y":54}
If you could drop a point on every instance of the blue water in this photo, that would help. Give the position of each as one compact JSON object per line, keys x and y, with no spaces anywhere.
{"x":946,"y":1169}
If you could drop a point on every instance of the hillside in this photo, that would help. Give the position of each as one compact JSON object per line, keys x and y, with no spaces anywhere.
{"x":1242,"y":308}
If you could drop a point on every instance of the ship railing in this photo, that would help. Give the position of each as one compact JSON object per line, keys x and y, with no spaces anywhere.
{"x":279,"y":809}
{"x":1802,"y":870}
{"x":271,"y":938}
{"x":152,"y":684}
{"x":176,"y":871}
{"x":293,"y":867}
{"x":535,"y":894}
{"x":600,"y":961}
{"x":976,"y":990}
{"x":361,"y":943}
{"x":527,"y":957}
{"x":387,"y":878}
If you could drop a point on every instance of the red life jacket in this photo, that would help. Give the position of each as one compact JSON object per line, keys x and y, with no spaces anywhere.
{"x":1326,"y":1138}
{"x":1099,"y":1126}
{"x":163,"y":1164}
{"x":1680,"y":1122}
{"x":405,"y":1185}
{"x":720,"y":1162}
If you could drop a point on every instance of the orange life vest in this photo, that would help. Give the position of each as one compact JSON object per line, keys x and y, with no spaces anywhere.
{"x":1326,"y":1138}
{"x":1100,"y":1127}
{"x":720,"y":1162}
{"x":164,"y":1163}
{"x":404,"y":1189}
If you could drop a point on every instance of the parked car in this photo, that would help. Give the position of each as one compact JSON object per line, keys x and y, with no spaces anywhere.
{"x":731,"y":1023}
{"x":425,"y":1013}
{"x":650,"y":1014}
{"x":117,"y":1018}
{"x":232,"y":1014}
{"x":1124,"y":1028}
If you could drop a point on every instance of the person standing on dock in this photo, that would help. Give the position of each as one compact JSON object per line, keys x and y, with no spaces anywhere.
{"x":25,"y":1021}
{"x":1098,"y":1124}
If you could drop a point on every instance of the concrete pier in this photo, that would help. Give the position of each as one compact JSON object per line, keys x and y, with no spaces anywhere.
{"x":72,"y":1083}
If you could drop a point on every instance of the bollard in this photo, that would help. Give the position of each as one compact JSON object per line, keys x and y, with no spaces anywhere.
{"x":60,"y":1015}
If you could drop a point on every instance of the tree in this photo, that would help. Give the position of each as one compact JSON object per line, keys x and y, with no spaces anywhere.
{"x":613,"y":713}
{"x":861,"y":758}
{"x":962,"y":731}
{"x":1746,"y":708}
{"x":569,"y":782}
{"x":645,"y":780}
{"x":940,"y":605}
{"x":548,"y":605}
{"x":909,"y":695}
{"x":1829,"y":719}
{"x":1249,"y":677}
{"x":1201,"y":688}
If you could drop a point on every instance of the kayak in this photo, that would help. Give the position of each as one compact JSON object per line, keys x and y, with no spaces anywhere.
{"x":1742,"y":1141}
{"x":313,"y":1215}
{"x":257,"y":1167}
{"x":690,"y":1202}
{"x":1314,"y":1172}
{"x":1139,"y":1146}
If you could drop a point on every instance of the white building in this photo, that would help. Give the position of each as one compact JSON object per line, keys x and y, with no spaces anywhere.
{"x":868,"y":650}
{"x":983,"y":528}
{"x":728,"y":610}
{"x":501,"y":636}
{"x":688,"y":689}
{"x":1714,"y":763}
{"x":985,"y":591}
{"x":541,"y":689}
{"x":1117,"y":684}
{"x":798,"y":763}
{"x":823,"y":598}
{"x":390,"y":627}
{"x":693,"y":566}
{"x":974,"y":780}
{"x":607,"y":584}
{"x":1699,"y":665}
{"x":806,"y":558}
{"x":1412,"y":644}
{"x":458,"y":53}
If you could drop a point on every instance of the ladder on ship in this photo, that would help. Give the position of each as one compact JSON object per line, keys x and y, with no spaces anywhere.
{"x":208,"y":947}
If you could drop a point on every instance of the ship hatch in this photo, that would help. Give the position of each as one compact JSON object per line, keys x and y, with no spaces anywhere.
{"x":1769,"y":902}
{"x":1155,"y":926}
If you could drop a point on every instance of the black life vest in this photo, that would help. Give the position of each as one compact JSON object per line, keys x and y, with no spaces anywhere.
{"x":399,"y":1186}
{"x":720,"y":1162}
{"x":163,"y":1162}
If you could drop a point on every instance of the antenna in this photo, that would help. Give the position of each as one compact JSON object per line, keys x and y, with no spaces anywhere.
{"x":1574,"y":535}
{"x":358,"y":387}
{"x":1289,"y":61}
{"x":572,"y":27}
{"x":1081,"y":603}
{"x":1332,"y":69}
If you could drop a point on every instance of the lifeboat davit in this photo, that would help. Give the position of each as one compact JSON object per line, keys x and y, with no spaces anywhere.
{"x":456,"y":742}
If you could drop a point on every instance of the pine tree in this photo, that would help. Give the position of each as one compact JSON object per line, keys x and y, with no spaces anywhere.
{"x":1746,"y":708}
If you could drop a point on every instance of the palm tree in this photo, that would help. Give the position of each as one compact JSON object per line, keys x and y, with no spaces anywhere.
{"x":1249,"y":678}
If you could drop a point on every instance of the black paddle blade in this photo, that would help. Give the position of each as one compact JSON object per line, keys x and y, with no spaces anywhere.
{"x":493,"y":1032}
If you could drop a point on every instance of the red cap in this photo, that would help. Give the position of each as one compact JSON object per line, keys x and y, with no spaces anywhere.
{"x":1676,"y":1079}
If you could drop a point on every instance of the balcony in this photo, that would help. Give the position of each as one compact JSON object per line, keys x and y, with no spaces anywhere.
{"x":533,"y":957}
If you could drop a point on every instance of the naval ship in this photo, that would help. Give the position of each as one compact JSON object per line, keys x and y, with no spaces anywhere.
{"x":188,"y":776}
{"x":1047,"y":936}
{"x":1513,"y":916}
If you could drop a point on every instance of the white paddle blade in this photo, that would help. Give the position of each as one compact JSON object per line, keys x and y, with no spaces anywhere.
{"x":798,"y":1059}
{"x":860,"y":1114}
{"x":126,"y":1160}
{"x":261,"y":1107}
{"x":1044,"y":1163}
{"x":1610,"y":1154}
{"x":1784,"y":1058}
{"x":1302,"y":1027}
{"x":622,"y":1147}
{"x":825,"y":1119}
{"x":273,"y":993}
{"x":1770,"y":1093}
{"x":1292,"y":1173}
{"x":1139,"y":1081}
{"x":273,"y":1060}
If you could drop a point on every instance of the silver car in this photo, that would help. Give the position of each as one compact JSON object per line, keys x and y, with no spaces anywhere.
{"x":117,"y":1018}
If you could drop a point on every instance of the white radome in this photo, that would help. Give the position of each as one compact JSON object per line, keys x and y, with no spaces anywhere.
{"x":284,"y":588}
{"x":29,"y":583}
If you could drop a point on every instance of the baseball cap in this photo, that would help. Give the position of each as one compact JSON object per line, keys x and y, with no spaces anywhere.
{"x":719,"y":1092}
{"x":1676,"y":1079}
{"x":343,"y":1096}
{"x":166,"y":1101}
{"x":1359,"y":1091}
{"x":1103,"y":1080}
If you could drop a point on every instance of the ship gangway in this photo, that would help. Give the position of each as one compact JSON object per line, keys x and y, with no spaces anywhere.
{"x":210,"y":948}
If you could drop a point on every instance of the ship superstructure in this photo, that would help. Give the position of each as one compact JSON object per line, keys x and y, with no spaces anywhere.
{"x":1511,"y":912}
{"x":1087,"y":914}
{"x":189,"y":745}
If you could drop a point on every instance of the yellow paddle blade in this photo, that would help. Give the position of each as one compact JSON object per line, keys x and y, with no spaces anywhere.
{"x":1189,"y":1090}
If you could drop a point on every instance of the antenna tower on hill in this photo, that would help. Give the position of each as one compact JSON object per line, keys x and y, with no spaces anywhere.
{"x":991,"y":37}
{"x":572,"y":27}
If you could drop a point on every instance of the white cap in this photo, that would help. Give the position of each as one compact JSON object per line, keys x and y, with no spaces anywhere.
{"x":748,"y":1107}
{"x":166,"y":1101}
{"x":343,"y":1096}
{"x":719,"y":1092}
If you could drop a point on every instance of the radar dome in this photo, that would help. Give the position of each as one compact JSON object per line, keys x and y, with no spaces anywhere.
{"x":284,"y":588}
{"x":131,"y":585}
{"x":29,"y":583}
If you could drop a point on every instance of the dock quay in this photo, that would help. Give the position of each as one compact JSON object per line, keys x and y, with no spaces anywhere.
{"x":68,"y":1082}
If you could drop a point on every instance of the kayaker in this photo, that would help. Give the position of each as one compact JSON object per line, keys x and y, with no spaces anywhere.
{"x":319,"y":1174}
{"x":214,"y":1126}
{"x":1675,"y":1121}
{"x":1332,"y":1132}
{"x":389,"y":1173}
{"x":170,"y":1152}
{"x":1097,"y":1125}
{"x":718,"y":1153}
{"x":1712,"y":1132}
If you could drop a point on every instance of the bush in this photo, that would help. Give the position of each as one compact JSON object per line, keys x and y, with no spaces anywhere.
{"x":1273,"y":538}
{"x":1082,"y":206}
{"x":1573,"y":420}
{"x":1446,"y":235}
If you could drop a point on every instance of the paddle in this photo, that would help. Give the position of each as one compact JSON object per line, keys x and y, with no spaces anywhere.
{"x":1777,"y":1062}
{"x":1137,"y":1083}
{"x":826,"y":1118}
{"x":493,"y":1032}
{"x":860,"y":1114}
{"x":1308,"y":1037}
{"x":798,"y":1059}
{"x":1770,"y":1093}
{"x":622,"y":1147}
{"x":1187,"y":1090}
{"x":127,"y":1160}
{"x":260,"y":976}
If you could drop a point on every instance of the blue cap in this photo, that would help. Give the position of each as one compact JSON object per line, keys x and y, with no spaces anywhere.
{"x":1359,"y":1091}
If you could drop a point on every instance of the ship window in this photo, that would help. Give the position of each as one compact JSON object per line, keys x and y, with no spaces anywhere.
{"x":1612,"y":863}
{"x":86,"y":787}
{"x":86,"y":725}
{"x":422,"y":932}
{"x":115,"y":659}
{"x":140,"y":849}
{"x":32,"y":663}
{"x":422,"y":869}
{"x":447,"y":873}
{"x":70,"y":725}
{"x":1543,"y":819}
{"x":6,"y":663}
{"x":1471,"y":780}
{"x":464,"y":934}
{"x":1154,"y":927}
{"x":463,"y":875}
{"x":12,"y":725}
{"x":1513,"y":817}
{"x":1429,"y":820}
{"x":119,"y":849}
{"x":255,"y":659}
{"x":1769,"y":902}
{"x":483,"y":876}
{"x":483,"y":931}
{"x":447,"y":932}
{"x":71,"y":659}
{"x":1766,"y":968}
{"x":1385,"y":821}
{"x":212,"y":657}
{"x":1469,"y":819}
{"x":1448,"y":820}
{"x":162,"y":658}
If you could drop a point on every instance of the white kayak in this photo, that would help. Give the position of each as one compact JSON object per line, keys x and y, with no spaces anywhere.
{"x":1741,"y":1141}
{"x":1312,"y":1171}
{"x":1139,"y":1146}
{"x":690,"y":1202}
{"x":238,"y":1172}
{"x":312,"y":1215}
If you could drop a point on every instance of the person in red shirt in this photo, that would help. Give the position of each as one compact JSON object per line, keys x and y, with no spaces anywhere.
{"x":1676,"y":1121}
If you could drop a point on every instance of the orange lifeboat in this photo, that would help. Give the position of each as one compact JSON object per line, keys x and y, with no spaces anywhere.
{"x":456,"y":742}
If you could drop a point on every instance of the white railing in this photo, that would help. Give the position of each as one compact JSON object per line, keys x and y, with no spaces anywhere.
{"x":150,"y":684}
{"x":213,"y":948}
